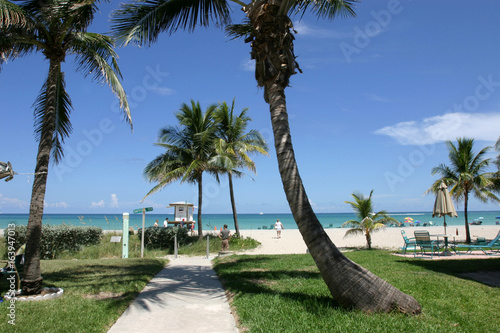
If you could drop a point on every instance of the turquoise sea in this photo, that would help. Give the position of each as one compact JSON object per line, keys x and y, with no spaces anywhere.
{"x":245,"y":221}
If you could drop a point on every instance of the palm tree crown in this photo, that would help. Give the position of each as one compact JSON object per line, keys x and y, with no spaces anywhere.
{"x":189,"y":148}
{"x":233,"y":146}
{"x":467,"y":174}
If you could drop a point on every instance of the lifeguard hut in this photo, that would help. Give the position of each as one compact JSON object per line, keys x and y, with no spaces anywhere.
{"x":183,"y":212}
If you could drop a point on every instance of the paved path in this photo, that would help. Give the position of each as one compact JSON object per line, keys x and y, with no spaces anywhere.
{"x":185,"y":296}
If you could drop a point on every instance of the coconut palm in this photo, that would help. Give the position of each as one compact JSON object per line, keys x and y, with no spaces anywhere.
{"x":56,"y":28}
{"x":233,"y":146}
{"x":368,"y":222}
{"x":189,"y":148}
{"x":269,"y":30}
{"x":466,"y":175}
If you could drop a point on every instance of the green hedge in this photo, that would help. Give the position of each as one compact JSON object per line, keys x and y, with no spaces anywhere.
{"x":56,"y":239}
{"x":162,"y":238}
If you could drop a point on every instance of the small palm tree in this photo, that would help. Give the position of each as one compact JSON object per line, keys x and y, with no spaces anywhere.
{"x":189,"y":148}
{"x":368,"y":222}
{"x":233,"y":146}
{"x":56,"y":28}
{"x":466,"y":175}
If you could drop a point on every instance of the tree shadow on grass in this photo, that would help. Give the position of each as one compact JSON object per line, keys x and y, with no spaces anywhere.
{"x":458,"y":267}
{"x":245,"y":275}
{"x":79,"y":279}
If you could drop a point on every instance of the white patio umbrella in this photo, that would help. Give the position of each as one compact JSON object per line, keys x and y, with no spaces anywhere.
{"x":443,"y":205}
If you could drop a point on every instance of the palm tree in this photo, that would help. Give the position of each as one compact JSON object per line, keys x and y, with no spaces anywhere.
{"x":56,"y":28}
{"x":189,"y":149}
{"x":233,"y":145}
{"x":466,"y":175}
{"x":269,"y":30}
{"x":368,"y":222}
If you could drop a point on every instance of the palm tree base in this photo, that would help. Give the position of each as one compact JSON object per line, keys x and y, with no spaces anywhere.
{"x":34,"y":287}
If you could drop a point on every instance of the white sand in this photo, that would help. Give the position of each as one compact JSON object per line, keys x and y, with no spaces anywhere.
{"x":390,"y":238}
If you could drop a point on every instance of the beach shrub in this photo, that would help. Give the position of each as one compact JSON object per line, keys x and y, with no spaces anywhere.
{"x":163,"y":238}
{"x":56,"y":239}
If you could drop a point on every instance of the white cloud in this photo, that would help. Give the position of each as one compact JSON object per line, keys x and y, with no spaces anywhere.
{"x":114,"y":201}
{"x":305,"y":30}
{"x":450,"y":126}
{"x":163,"y":91}
{"x":99,"y":204}
{"x":377,"y":98}
{"x":7,"y":202}
{"x":61,"y":204}
{"x":248,"y":65}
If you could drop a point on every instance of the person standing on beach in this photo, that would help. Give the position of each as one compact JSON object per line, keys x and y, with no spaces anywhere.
{"x":156,"y":224}
{"x":165,"y":223}
{"x":225,"y":235}
{"x":278,"y":226}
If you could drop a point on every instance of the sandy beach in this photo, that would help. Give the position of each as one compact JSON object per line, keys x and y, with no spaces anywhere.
{"x":390,"y":238}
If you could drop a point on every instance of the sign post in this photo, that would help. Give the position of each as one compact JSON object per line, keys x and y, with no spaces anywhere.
{"x":143,"y":211}
{"x":125,"y":236}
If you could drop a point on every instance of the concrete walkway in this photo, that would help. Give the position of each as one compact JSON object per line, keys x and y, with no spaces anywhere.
{"x":185,"y":296}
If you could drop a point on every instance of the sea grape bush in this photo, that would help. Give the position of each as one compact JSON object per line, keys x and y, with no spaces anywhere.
{"x":163,"y":238}
{"x":60,"y":238}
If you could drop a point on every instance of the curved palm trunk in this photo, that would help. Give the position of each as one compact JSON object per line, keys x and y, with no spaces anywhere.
{"x":32,"y":278}
{"x":350,"y":284}
{"x":200,"y":201}
{"x":233,"y":205}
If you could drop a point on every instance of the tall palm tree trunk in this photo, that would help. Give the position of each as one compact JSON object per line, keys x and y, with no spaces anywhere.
{"x":200,"y":202}
{"x":467,"y":229}
{"x":233,"y":205}
{"x":32,"y":277}
{"x":350,"y":284}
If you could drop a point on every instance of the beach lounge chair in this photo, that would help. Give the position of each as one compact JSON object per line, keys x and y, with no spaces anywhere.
{"x":424,"y":242}
{"x":409,"y":244}
{"x":493,"y":246}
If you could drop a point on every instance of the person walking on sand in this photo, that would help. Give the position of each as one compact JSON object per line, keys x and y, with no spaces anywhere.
{"x":225,"y":235}
{"x":278,"y":226}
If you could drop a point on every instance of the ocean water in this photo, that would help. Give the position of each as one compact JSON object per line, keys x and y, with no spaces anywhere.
{"x":245,"y":221}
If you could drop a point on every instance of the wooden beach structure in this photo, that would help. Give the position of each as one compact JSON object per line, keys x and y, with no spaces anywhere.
{"x":183,"y":212}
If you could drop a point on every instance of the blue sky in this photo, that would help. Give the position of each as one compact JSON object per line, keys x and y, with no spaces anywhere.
{"x":379,"y":95}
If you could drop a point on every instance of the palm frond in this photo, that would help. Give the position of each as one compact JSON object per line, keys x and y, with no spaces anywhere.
{"x":12,"y":15}
{"x":95,"y":56}
{"x":142,"y":22}
{"x":322,"y":8}
{"x":63,"y":110}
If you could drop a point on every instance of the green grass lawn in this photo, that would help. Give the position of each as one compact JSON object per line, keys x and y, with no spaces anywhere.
{"x":96,"y":292}
{"x":98,"y":285}
{"x":287,"y":294}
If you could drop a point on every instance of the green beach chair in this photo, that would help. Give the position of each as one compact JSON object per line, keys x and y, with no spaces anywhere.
{"x":424,"y":242}
{"x":409,"y":244}
{"x":493,"y":246}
